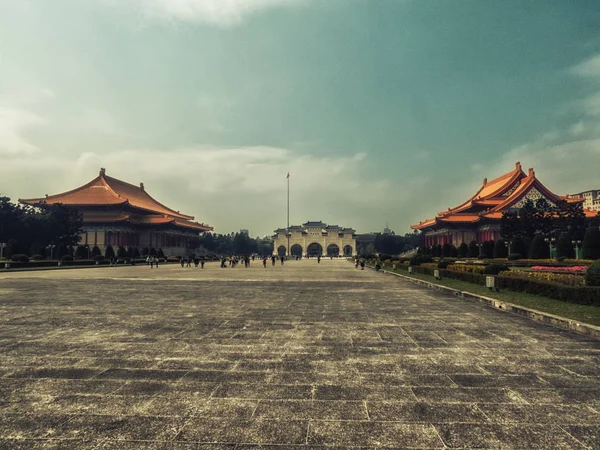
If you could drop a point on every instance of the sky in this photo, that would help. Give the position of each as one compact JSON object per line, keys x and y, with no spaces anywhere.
{"x":380,"y":110}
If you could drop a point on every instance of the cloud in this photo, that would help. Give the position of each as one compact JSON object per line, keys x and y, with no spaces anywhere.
{"x":215,"y":12}
{"x":13,"y":124}
{"x":232,"y":188}
{"x":589,"y":68}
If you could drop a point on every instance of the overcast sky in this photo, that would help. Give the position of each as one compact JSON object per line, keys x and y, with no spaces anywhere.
{"x":381,"y":110}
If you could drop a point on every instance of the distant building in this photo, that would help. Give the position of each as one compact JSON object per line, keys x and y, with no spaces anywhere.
{"x":478,"y":219}
{"x":387,"y":230}
{"x":117,"y":213}
{"x":591,"y":199}
{"x":315,"y":239}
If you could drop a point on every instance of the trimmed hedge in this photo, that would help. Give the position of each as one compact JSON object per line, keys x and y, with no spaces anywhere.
{"x":19,"y":258}
{"x":585,"y":295}
{"x":592,"y":275}
{"x":475,"y":278}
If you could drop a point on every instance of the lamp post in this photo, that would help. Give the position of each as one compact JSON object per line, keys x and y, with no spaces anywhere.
{"x":51,"y":247}
{"x":576,"y":243}
{"x":480,"y":247}
{"x":88,"y":250}
{"x":507,"y":245}
{"x":2,"y":245}
{"x":550,"y":242}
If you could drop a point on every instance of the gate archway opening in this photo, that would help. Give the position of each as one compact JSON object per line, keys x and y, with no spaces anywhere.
{"x":314,"y":249}
{"x":348,"y":250}
{"x":296,"y":250}
{"x":281,"y":250}
{"x":333,"y":250}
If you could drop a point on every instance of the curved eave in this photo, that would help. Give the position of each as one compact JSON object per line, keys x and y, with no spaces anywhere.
{"x":530,"y":182}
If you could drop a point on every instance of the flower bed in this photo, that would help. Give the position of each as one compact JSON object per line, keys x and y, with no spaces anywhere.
{"x":561,"y":278}
{"x":468,"y":268}
{"x":559,"y":269}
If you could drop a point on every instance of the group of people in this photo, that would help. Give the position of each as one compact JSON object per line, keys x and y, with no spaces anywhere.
{"x":186,"y":261}
{"x":152,"y":261}
{"x":359,"y":262}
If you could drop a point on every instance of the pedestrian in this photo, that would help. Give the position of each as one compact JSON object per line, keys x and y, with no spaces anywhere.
{"x":273,"y":260}
{"x":188,"y":260}
{"x":356,"y":263}
{"x":265,"y":262}
{"x":362,"y":264}
{"x":151,"y":260}
{"x":156,"y":260}
{"x":202,"y":263}
{"x":282,"y":259}
{"x":319,"y":259}
{"x":181,"y":261}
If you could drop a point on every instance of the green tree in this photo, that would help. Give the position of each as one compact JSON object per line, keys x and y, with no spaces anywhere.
{"x":463,"y":250}
{"x":109,"y":253}
{"x":518,"y":246}
{"x":96,"y":251}
{"x":539,"y":248}
{"x":487,"y":249}
{"x":591,"y":243}
{"x":564,"y":247}
{"x":473,"y":250}
{"x":500,"y":249}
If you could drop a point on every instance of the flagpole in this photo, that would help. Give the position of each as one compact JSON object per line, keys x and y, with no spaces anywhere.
{"x":288,"y":210}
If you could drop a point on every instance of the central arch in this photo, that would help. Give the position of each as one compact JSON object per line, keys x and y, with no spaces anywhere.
{"x":281,"y":250}
{"x":314,"y":249}
{"x":296,"y":250}
{"x":333,"y":250}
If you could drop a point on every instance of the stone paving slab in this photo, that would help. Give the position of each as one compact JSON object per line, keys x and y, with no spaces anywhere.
{"x":306,"y":355}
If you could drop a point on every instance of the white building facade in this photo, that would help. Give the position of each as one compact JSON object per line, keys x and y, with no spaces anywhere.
{"x":315,"y":239}
{"x":591,"y":199}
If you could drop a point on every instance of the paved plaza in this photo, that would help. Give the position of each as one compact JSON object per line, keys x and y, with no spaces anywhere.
{"x":304,"y":355}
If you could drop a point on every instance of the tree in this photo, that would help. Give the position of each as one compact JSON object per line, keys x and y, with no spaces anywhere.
{"x":152,"y":252}
{"x":121,"y":252}
{"x":500,"y":249}
{"x":487,"y":249}
{"x":473,"y":250}
{"x":12,"y":248}
{"x":136,"y":252}
{"x":96,"y":251}
{"x":510,"y":225}
{"x":564,"y":246}
{"x":81,"y":252}
{"x":539,"y":248}
{"x":591,"y":243}
{"x":109,"y":253}
{"x":518,"y":246}
{"x":160,"y":253}
{"x":145,"y":251}
{"x":61,"y":250}
{"x":463,"y":250}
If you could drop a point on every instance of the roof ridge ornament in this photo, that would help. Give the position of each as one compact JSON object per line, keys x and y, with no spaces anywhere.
{"x":102,"y":171}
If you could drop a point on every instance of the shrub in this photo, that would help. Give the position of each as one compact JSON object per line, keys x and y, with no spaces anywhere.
{"x":417,"y":260}
{"x":583,"y":295}
{"x":475,"y":278}
{"x":467,"y":268}
{"x":12,"y":248}
{"x":66,"y":258}
{"x":518,"y":246}
{"x":136,"y":252}
{"x":109,"y":253}
{"x":564,"y":247}
{"x":562,"y":278}
{"x":145,"y":251}
{"x":160,"y":253}
{"x":495,"y":269}
{"x":539,"y":248}
{"x":473,"y":250}
{"x":152,"y":252}
{"x":81,"y":252}
{"x":453,"y":252}
{"x":442,"y":265}
{"x":446,"y":250}
{"x":592,"y":276}
{"x":487,"y":249}
{"x":514,"y":256}
{"x":591,"y":244}
{"x":560,"y":258}
{"x":121,"y":252}
{"x":37,"y":257}
{"x":500,"y":249}
{"x":19,"y":257}
{"x":96,"y":251}
{"x":61,"y":251}
{"x":463,"y":250}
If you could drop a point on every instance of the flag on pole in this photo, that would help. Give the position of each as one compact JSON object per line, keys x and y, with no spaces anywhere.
{"x":288,"y":175}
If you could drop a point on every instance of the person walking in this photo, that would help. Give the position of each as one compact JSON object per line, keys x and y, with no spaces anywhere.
{"x":265,"y":262}
{"x":362,"y":263}
{"x":188,"y":261}
{"x":181,"y":261}
{"x":282,"y":259}
{"x":273,"y":260}
{"x":319,"y":259}
{"x":202,"y":263}
{"x":151,"y":261}
{"x":156,"y":261}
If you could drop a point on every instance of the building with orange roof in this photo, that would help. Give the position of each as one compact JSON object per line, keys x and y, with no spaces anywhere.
{"x":478,"y":219}
{"x":117,"y":213}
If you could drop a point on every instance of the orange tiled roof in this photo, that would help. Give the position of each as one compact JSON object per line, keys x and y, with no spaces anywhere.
{"x":112,"y":217}
{"x":105,"y":190}
{"x":497,"y":195}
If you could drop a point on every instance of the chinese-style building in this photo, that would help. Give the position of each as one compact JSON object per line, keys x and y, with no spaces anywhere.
{"x":478,"y":219}
{"x":315,"y":239}
{"x":117,"y":213}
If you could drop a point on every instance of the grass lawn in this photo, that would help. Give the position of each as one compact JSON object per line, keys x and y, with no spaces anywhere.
{"x":581,"y":313}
